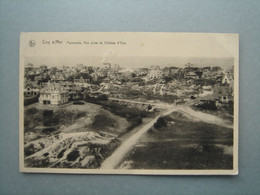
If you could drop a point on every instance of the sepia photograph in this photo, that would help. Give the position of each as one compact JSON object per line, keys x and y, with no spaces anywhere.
{"x":129,"y":103}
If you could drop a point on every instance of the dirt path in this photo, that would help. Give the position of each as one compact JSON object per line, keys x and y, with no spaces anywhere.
{"x":157,"y":104}
{"x":119,"y":154}
{"x":207,"y":118}
{"x":112,"y":161}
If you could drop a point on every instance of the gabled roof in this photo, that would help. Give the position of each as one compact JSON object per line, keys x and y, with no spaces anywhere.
{"x":53,"y":88}
{"x":230,"y":76}
{"x":83,"y":75}
{"x":174,"y":70}
{"x":31,"y":84}
{"x":191,"y":74}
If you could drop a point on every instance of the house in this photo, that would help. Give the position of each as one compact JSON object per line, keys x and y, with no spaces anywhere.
{"x":28,"y":68}
{"x":53,"y":94}
{"x":31,"y":89}
{"x":43,"y":68}
{"x":170,"y":71}
{"x":60,"y":77}
{"x":76,"y":93}
{"x":106,"y":66}
{"x":209,"y":102}
{"x":192,"y":75}
{"x":206,"y":74}
{"x":173,"y":72}
{"x":141,"y":72}
{"x":224,"y":93}
{"x":82,"y":78}
{"x":155,"y":73}
{"x":227,"y":78}
{"x":53,"y":77}
{"x":38,"y":78}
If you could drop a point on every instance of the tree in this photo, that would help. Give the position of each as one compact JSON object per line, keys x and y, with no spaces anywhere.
{"x":133,"y":75}
{"x":103,"y":97}
{"x":161,"y":122}
{"x":167,"y":79}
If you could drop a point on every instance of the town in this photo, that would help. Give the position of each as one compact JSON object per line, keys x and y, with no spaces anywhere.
{"x":168,"y":84}
{"x":114,"y":102}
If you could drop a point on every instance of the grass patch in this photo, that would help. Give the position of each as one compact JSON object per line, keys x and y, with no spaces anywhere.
{"x":181,"y":143}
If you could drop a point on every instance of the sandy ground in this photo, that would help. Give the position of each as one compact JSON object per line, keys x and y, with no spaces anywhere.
{"x":75,"y":137}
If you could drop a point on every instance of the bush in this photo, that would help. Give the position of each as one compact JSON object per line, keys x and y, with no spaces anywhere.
{"x":31,"y":111}
{"x":48,"y":117}
{"x":29,"y":150}
{"x":208,"y":106}
{"x":103,"y":121}
{"x":169,"y":98}
{"x":161,"y":122}
{"x":135,"y":122}
{"x":205,"y":82}
{"x":124,"y":111}
{"x":78,"y":103}
{"x":61,"y":153}
{"x":31,"y":100}
{"x":48,"y":130}
{"x":96,"y":100}
{"x":73,"y":155}
{"x":103,"y":97}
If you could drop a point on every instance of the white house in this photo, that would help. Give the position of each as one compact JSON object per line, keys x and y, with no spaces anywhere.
{"x":155,"y":74}
{"x":53,"y":94}
{"x":227,"y":78}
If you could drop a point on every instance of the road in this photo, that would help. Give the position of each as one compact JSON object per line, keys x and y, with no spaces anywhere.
{"x":159,"y":105}
{"x":119,"y":154}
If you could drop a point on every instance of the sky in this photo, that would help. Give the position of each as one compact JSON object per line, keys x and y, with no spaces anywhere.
{"x":140,"y":49}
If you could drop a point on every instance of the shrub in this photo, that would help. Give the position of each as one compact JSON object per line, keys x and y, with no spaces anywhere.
{"x":135,"y":122}
{"x":47,"y":117}
{"x":48,"y":130}
{"x":30,"y":100}
{"x":73,"y":155}
{"x":61,"y":153}
{"x":102,"y":121}
{"x":29,"y":150}
{"x":103,"y":97}
{"x":208,"y":106}
{"x":31,"y":111}
{"x":161,"y":122}
{"x":78,"y":103}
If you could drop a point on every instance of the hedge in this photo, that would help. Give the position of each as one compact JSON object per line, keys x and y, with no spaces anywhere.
{"x":30,"y":100}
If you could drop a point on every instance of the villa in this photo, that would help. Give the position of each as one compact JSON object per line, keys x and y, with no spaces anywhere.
{"x":53,"y":94}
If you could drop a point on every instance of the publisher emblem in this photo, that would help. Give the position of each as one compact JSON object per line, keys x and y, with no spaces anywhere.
{"x":32,"y":43}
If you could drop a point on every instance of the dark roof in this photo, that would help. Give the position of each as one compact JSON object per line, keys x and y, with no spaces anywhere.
{"x":53,"y":88}
{"x":83,"y":75}
{"x":32,"y":84}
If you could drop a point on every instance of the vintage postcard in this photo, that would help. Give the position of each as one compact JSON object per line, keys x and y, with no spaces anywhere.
{"x":129,"y":103}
